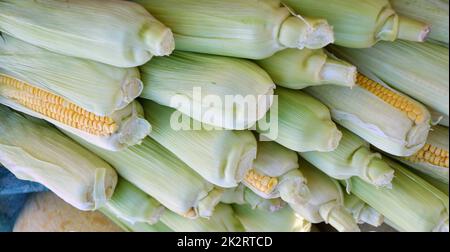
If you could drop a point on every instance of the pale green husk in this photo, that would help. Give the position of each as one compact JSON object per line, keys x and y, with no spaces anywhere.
{"x":136,"y":227}
{"x":362,"y":23}
{"x":96,"y":87}
{"x":298,"y":69}
{"x":439,"y":137}
{"x":284,"y":220}
{"x":362,"y":212}
{"x":375,"y":120}
{"x":243,"y":195}
{"x":222,"y":157}
{"x":33,"y":150}
{"x":326,"y":203}
{"x":352,"y":158}
{"x":118,"y":33}
{"x":300,"y":123}
{"x":253,"y":29}
{"x":172,"y":81}
{"x":412,"y":205}
{"x":419,"y":70}
{"x":223,"y":220}
{"x":132,"y":205}
{"x":159,"y":173}
{"x":434,"y":12}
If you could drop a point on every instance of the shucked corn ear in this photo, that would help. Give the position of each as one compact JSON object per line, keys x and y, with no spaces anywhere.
{"x":35,"y":151}
{"x":326,"y":203}
{"x":300,"y":122}
{"x":362,"y":212}
{"x":223,"y":220}
{"x":434,"y":12}
{"x":298,"y":69}
{"x":159,"y":173}
{"x":362,"y":23}
{"x":275,"y":174}
{"x":132,"y":205}
{"x":352,"y":158}
{"x":253,"y":29}
{"x":222,"y":157}
{"x":419,"y":70}
{"x":412,"y":205}
{"x":284,"y":220}
{"x":119,"y":130}
{"x":385,"y":118}
{"x":186,"y":81}
{"x":432,"y":159}
{"x":118,"y":33}
{"x":243,"y":195}
{"x":78,"y":81}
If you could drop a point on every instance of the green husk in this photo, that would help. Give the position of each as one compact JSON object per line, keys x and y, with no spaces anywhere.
{"x":362,"y":23}
{"x":419,"y":70}
{"x":298,"y":69}
{"x":187,"y":82}
{"x":284,"y":220}
{"x":136,"y":227}
{"x":243,"y":195}
{"x":118,"y":33}
{"x":326,"y":203}
{"x":159,"y":173}
{"x":222,"y":157}
{"x":253,"y":29}
{"x":362,"y":212}
{"x":299,"y":122}
{"x":133,"y":205}
{"x":412,"y":205}
{"x":33,"y":150}
{"x":352,"y":158}
{"x":434,"y":12}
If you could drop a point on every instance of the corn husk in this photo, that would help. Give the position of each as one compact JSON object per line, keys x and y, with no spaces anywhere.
{"x":253,"y":29}
{"x":186,"y":81}
{"x":326,"y":203}
{"x":284,"y":220}
{"x":412,"y":205}
{"x":159,"y":173}
{"x":136,"y":227}
{"x":222,"y":157}
{"x":118,"y":33}
{"x":352,"y":158}
{"x":299,"y":122}
{"x":299,"y":69}
{"x":390,"y":128}
{"x":363,"y":213}
{"x":362,"y":23}
{"x":33,"y":150}
{"x":434,"y":12}
{"x":419,"y":70}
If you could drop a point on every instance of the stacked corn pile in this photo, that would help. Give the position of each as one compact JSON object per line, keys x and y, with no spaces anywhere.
{"x":345,"y":135}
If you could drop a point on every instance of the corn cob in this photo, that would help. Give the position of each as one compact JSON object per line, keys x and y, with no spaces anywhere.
{"x":275,"y":174}
{"x":223,"y":220}
{"x":432,"y":159}
{"x":362,"y":212}
{"x":253,"y":29}
{"x":35,"y":151}
{"x":160,"y":174}
{"x":434,"y":12}
{"x":395,"y":63}
{"x":299,"y":69}
{"x":299,"y":122}
{"x":222,"y":157}
{"x":326,"y":203}
{"x":362,"y":23}
{"x":284,"y":220}
{"x":242,"y":195}
{"x":118,"y":33}
{"x":194,"y":77}
{"x":352,"y":158}
{"x":132,"y":205}
{"x":412,"y":205}
{"x":385,"y":118}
